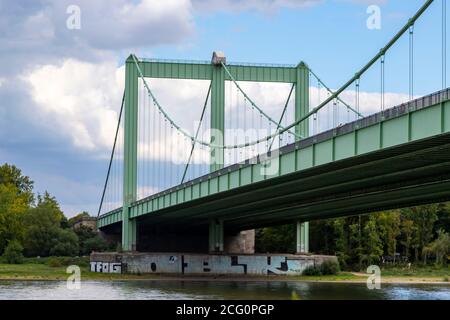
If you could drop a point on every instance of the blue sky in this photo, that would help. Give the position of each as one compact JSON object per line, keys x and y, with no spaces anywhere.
{"x":331,"y":37}
{"x":60,"y":89}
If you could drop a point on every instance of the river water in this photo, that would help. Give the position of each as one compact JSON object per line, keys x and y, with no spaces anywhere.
{"x":178,"y":290}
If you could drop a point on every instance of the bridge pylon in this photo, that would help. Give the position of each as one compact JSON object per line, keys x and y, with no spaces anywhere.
{"x":302,"y":129}
{"x":129,"y":226}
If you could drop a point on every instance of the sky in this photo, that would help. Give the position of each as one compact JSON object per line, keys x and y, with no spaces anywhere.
{"x":60,"y":87}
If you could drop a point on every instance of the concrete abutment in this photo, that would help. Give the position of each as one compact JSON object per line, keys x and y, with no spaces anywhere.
{"x":205,"y":264}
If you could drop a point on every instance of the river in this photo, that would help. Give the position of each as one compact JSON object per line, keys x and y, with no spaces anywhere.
{"x":179,"y":290}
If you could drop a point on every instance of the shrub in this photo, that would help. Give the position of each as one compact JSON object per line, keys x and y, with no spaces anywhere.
{"x":54,"y":262}
{"x":65,"y":244}
{"x":95,"y":244}
{"x":13,"y":252}
{"x":311,"y":271}
{"x":329,"y":267}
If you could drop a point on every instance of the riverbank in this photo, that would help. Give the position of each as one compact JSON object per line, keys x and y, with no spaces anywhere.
{"x":40,"y":271}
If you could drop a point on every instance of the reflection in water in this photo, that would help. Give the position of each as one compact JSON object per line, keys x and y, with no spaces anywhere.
{"x":179,"y":290}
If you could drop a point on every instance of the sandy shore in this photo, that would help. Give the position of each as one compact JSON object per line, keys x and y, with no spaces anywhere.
{"x":353,"y":278}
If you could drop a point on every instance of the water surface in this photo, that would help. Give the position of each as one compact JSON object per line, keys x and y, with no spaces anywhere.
{"x":178,"y":289}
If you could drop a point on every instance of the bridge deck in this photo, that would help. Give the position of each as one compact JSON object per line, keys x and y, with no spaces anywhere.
{"x":395,"y":158}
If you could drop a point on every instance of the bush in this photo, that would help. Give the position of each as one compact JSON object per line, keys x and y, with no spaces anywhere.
{"x":66,"y":244}
{"x":13,"y":252}
{"x":311,"y":271}
{"x":95,"y":244}
{"x":329,"y":267}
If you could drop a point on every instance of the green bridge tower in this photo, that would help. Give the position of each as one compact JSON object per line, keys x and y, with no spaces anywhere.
{"x":214,"y":72}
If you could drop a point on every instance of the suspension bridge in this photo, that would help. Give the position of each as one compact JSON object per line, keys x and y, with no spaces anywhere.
{"x":244,"y":167}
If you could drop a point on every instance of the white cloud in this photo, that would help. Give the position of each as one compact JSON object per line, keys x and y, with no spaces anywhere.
{"x":79,"y":100}
{"x":122,"y":23}
{"x":266,"y":6}
{"x":142,"y":192}
{"x":38,"y":33}
{"x":369,"y":102}
{"x":368,"y":2}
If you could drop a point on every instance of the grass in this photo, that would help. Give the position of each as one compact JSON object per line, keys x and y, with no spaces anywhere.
{"x":417,"y":271}
{"x":35,"y":271}
{"x":54,"y":268}
{"x":341,"y":276}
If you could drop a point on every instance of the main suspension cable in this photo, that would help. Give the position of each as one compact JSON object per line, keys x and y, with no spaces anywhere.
{"x":316,"y":109}
{"x":382,"y":81}
{"x":444,"y":44}
{"x":331,"y":92}
{"x":112,"y":154}
{"x":283,"y":113}
{"x":196,"y":134}
{"x":251,"y":101}
{"x":411,"y":62}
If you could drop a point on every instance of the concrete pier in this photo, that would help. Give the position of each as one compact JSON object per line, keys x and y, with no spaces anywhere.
{"x":205,"y":264}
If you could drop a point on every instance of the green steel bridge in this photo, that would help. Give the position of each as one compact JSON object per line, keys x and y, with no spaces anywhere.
{"x":396,"y":157}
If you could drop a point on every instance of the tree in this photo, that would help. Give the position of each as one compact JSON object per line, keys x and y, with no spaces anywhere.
{"x":10,"y":174}
{"x":389,"y":225}
{"x":423,"y":218}
{"x":439,"y":247}
{"x":64,"y":244}
{"x":355,"y":249}
{"x":74,"y":219}
{"x":13,"y":253}
{"x":373,"y":246}
{"x":276,"y":239}
{"x":326,"y":243}
{"x":89,"y":240}
{"x":407,"y":230}
{"x":443,"y":218}
{"x":42,"y":224}
{"x":341,"y":241}
{"x":12,"y":209}
{"x":94,"y":244}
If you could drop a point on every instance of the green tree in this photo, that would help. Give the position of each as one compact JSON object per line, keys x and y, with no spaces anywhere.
{"x":65,"y":243}
{"x":439,"y":247}
{"x":341,"y":241}
{"x":10,"y":174}
{"x":373,"y":245}
{"x":443,"y":218}
{"x":423,"y":218}
{"x":89,"y":240}
{"x":74,"y":219}
{"x":407,"y":229}
{"x":42,"y":225}
{"x":13,"y":253}
{"x":389,"y":226}
{"x":12,"y":209}
{"x":96,"y":243}
{"x":276,"y":239}
{"x":355,"y":249}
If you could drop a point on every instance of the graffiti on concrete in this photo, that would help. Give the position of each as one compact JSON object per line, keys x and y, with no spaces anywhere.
{"x":205,"y":264}
{"x":106,"y":267}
